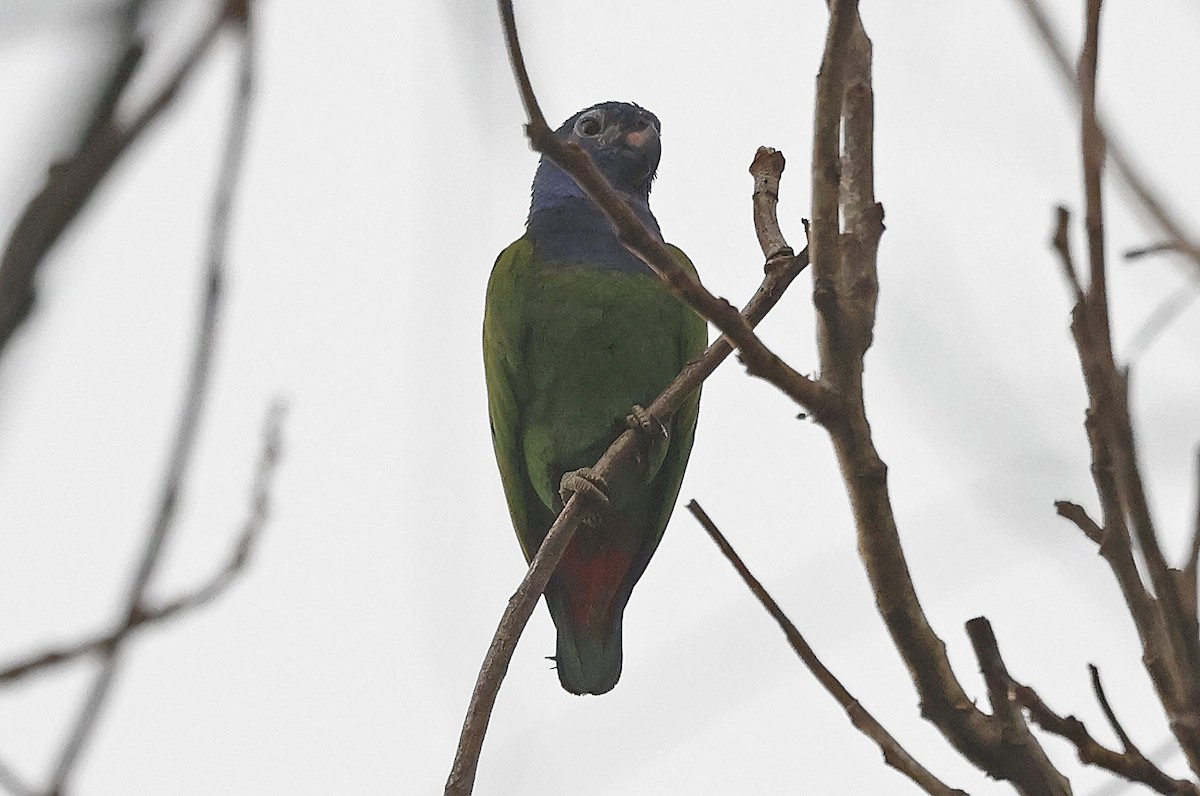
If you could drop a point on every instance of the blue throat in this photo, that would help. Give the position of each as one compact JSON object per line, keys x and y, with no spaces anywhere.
{"x":568,"y":229}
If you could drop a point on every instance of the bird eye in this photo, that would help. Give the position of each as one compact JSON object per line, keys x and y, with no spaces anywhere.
{"x":588,"y":126}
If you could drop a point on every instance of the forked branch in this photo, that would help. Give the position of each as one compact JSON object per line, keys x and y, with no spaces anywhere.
{"x":1130,"y":764}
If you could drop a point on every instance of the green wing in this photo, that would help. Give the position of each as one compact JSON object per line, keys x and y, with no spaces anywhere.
{"x":693,"y":340}
{"x":503,"y":343}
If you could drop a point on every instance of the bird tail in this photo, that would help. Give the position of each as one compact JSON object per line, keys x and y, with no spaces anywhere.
{"x":588,"y":662}
{"x":586,"y":596}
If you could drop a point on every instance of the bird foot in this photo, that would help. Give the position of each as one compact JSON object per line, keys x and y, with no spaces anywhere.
{"x":649,"y":428}
{"x":585,"y":483}
{"x":647,"y":425}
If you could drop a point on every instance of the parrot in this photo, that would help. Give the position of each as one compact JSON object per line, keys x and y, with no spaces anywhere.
{"x":578,"y":335}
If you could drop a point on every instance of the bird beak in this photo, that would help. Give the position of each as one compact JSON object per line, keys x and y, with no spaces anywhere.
{"x":638,"y":139}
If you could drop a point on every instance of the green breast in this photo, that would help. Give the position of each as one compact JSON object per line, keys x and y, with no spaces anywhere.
{"x":598,"y":341}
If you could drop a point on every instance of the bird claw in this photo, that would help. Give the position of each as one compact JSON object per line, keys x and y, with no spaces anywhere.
{"x":585,"y":483}
{"x":650,"y":427}
{"x":652,"y":434}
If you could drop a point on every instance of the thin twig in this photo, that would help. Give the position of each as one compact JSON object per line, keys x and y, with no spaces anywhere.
{"x":196,"y":391}
{"x":1163,"y":316}
{"x":122,"y":72}
{"x":760,"y":361}
{"x":1078,"y":515}
{"x":766,"y":168}
{"x":1113,"y":537}
{"x":1133,"y":767}
{"x":1154,"y":248}
{"x":1140,"y":187}
{"x":200,"y":596}
{"x":1061,"y":243}
{"x":1098,"y":688}
{"x":69,"y":186}
{"x":894,"y":754}
{"x":520,"y":606}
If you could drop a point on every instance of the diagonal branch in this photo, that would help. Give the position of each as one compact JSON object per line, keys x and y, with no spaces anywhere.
{"x":72,"y":182}
{"x":198,"y":597}
{"x":235,"y":16}
{"x":780,"y":274}
{"x":1079,"y":516}
{"x":759,"y":360}
{"x":1159,"y":321}
{"x":894,"y":754}
{"x":12,"y":783}
{"x":1098,"y":688}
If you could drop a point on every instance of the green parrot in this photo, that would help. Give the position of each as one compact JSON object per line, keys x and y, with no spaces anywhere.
{"x":578,"y":335}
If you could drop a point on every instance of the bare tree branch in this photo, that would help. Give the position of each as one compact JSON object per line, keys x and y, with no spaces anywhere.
{"x":202,"y":595}
{"x":232,"y":15}
{"x":1078,"y":515}
{"x":1145,"y":251}
{"x":1187,"y":576}
{"x":1114,"y":538}
{"x":122,"y":72}
{"x":780,"y":274}
{"x":1061,"y":241}
{"x":1140,"y":187}
{"x":1163,"y":316}
{"x":766,"y":168}
{"x":1015,"y":731}
{"x":847,"y":225}
{"x":1130,"y":765}
{"x":1098,"y":688}
{"x":894,"y":754}
{"x":1167,"y":629}
{"x":71,"y":182}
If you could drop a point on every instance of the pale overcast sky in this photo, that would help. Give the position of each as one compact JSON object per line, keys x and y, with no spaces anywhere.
{"x":386,"y":169}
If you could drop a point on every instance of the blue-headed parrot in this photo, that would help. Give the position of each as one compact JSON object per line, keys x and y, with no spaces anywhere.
{"x":578,"y":335}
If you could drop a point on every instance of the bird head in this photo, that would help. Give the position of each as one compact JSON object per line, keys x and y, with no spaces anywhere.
{"x":623,"y":141}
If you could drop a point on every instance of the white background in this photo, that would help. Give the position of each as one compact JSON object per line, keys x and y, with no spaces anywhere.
{"x":386,"y":169}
